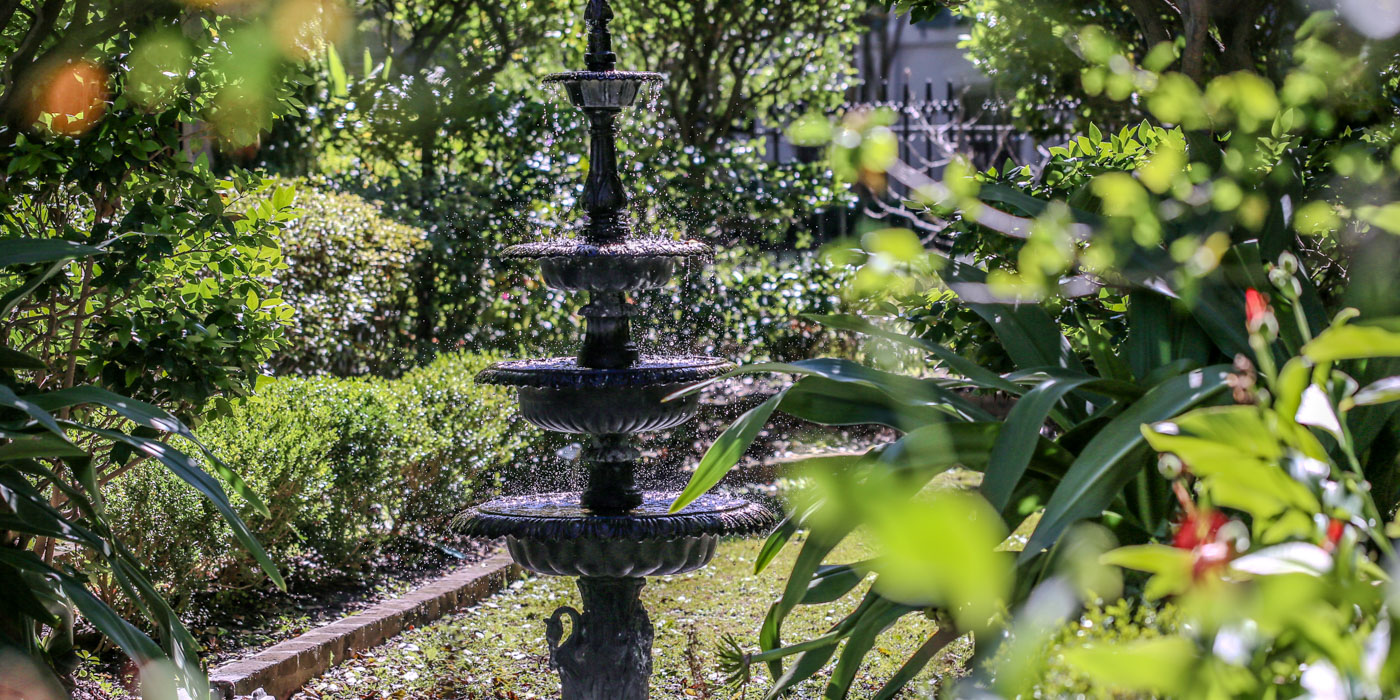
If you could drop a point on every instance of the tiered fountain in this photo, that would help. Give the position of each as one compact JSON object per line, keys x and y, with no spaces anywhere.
{"x":611,"y":535}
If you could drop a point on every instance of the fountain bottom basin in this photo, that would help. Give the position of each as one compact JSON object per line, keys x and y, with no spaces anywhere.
{"x":551,"y":534}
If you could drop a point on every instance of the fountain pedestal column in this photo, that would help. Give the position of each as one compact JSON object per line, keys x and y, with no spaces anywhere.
{"x":607,"y":655}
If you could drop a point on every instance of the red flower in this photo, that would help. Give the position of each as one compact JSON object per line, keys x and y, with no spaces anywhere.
{"x":1198,"y":528}
{"x":1256,"y":309}
{"x":1335,"y":529}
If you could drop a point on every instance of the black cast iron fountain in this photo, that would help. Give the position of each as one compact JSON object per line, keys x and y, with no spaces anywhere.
{"x":612,"y":535}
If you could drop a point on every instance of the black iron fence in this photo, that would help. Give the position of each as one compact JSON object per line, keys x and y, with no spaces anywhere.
{"x":933,"y":125}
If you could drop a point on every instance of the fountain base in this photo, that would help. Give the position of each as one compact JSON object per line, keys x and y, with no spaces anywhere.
{"x":607,"y":655}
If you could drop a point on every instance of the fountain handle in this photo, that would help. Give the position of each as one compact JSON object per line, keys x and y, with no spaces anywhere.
{"x":600,"y":56}
{"x":554,"y":631}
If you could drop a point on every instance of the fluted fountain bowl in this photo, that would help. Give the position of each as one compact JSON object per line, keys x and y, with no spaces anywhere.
{"x":627,"y":264}
{"x":556,"y":394}
{"x":551,"y":534}
{"x":613,"y":89}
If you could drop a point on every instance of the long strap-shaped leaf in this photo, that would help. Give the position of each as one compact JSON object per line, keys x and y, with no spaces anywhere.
{"x":131,"y":640}
{"x":837,"y":392}
{"x":1031,"y":337}
{"x":901,"y":388}
{"x":811,"y":655}
{"x":182,"y":466}
{"x":22,"y":251}
{"x":32,"y":513}
{"x":809,"y":560}
{"x":726,"y":450}
{"x":917,"y":661}
{"x":968,"y":369}
{"x":150,"y":416}
{"x":1108,"y":461}
{"x":1016,"y":443}
{"x":33,"y":250}
{"x":881,"y":615}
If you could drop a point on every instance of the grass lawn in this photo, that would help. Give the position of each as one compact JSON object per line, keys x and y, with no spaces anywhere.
{"x":497,"y":649}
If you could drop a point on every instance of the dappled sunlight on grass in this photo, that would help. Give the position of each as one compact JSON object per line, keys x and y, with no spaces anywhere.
{"x":497,"y":649}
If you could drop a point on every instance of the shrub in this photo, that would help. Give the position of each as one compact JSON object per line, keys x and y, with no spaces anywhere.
{"x":349,"y":277}
{"x":343,"y":464}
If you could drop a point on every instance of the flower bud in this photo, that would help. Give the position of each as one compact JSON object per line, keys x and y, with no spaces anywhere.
{"x":1170,"y":466}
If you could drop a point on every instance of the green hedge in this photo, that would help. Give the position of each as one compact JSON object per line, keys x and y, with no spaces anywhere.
{"x":351,"y":273}
{"x":349,"y":277}
{"x":343,"y":464}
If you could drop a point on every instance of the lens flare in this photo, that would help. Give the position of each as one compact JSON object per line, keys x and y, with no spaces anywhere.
{"x":69,"y":96}
{"x":1376,"y":19}
{"x":304,"y":27}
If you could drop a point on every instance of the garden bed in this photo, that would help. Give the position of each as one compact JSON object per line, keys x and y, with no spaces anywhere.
{"x":232,"y":625}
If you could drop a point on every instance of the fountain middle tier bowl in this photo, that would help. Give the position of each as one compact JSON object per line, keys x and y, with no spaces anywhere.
{"x":557,"y":394}
{"x":551,"y":534}
{"x":627,"y":264}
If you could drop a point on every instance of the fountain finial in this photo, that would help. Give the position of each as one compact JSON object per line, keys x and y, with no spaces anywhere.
{"x":600,"y":56}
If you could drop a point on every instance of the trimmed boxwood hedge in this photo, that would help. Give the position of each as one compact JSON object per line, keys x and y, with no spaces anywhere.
{"x":342,"y":463}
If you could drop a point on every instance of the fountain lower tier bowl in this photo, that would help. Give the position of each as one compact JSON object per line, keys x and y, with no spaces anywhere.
{"x":609,"y":89}
{"x":556,"y":394}
{"x":551,"y":534}
{"x":626,"y":264}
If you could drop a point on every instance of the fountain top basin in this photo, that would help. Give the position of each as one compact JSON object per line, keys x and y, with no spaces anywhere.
{"x":606,"y":90}
{"x":631,"y":247}
{"x":565,"y":373}
{"x":582,"y":75}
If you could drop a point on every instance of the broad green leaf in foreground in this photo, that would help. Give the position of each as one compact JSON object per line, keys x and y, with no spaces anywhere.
{"x":1116,"y":452}
{"x":726,"y":451}
{"x":1356,"y":340}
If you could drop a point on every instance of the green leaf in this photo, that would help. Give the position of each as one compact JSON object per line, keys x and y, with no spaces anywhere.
{"x":1031,"y":337}
{"x":23,"y":251}
{"x":1156,"y":665}
{"x":1032,"y":206}
{"x":339,"y":85}
{"x":1108,"y":363}
{"x":1356,"y":340}
{"x":19,"y":599}
{"x":10,"y":399}
{"x":809,"y":560}
{"x":14,"y":359}
{"x":39,"y":445}
{"x":834,"y":581}
{"x":32,"y":509}
{"x":131,"y":640}
{"x":816,"y":652}
{"x":1110,"y":459}
{"x":899,"y":388}
{"x":777,"y":539}
{"x":150,"y":416}
{"x":878,"y":618}
{"x":968,"y":369}
{"x":185,"y":468}
{"x":924,"y":453}
{"x":726,"y":451}
{"x":827,"y":402}
{"x":1016,"y":442}
{"x":915,"y":663}
{"x":1152,"y":558}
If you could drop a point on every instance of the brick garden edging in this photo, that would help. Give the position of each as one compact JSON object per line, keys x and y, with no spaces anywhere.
{"x":284,"y":668}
